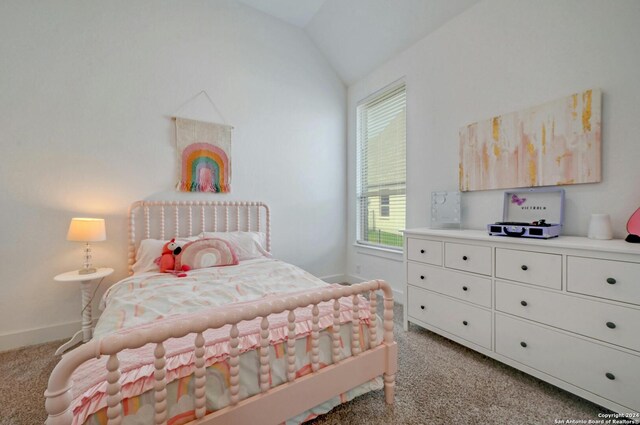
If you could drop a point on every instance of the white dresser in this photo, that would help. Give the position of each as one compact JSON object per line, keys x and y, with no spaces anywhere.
{"x":566,"y":310}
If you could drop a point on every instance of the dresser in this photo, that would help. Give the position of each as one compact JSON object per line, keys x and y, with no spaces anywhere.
{"x":565,"y":310}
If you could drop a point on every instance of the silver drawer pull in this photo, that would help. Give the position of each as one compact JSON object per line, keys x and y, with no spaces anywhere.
{"x":523,"y":344}
{"x":610,"y":375}
{"x":524,"y":267}
{"x":611,"y":281}
{"x":611,"y":325}
{"x":523,"y":303}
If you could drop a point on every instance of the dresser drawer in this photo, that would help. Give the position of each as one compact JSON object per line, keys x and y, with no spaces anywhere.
{"x":606,"y":322}
{"x":425,"y":251}
{"x":470,"y":323}
{"x":535,"y":268}
{"x":615,"y":280}
{"x":470,"y":258}
{"x":607,"y":372}
{"x":474,"y":289}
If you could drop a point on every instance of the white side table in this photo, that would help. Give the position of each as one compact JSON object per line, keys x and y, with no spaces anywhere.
{"x":84,"y":334}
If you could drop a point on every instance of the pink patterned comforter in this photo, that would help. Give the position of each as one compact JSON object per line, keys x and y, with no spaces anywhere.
{"x":141,"y":301}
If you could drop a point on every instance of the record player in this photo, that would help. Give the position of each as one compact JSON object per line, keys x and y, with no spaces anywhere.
{"x":531,"y":213}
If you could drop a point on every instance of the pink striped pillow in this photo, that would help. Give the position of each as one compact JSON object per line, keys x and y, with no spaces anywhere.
{"x":210,"y":252}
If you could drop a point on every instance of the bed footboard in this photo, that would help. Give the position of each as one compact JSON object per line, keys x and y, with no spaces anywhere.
{"x":272,"y":405}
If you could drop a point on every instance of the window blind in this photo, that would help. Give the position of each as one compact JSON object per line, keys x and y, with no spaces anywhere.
{"x":381,"y":168}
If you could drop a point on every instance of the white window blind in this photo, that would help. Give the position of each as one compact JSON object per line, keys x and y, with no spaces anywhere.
{"x":381,"y":168}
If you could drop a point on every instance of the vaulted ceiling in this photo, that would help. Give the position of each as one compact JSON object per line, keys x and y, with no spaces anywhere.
{"x":357,"y":36}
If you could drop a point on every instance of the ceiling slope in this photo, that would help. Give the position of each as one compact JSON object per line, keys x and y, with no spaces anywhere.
{"x":357,"y":36}
{"x":296,"y":12}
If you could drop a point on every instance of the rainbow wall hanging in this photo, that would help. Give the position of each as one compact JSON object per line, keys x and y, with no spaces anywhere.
{"x":204,"y":155}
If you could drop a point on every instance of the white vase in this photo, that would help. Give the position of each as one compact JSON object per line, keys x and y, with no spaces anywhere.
{"x":600,"y":227}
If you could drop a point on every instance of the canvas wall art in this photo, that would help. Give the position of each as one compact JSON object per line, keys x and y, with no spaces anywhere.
{"x":204,"y":156}
{"x":558,"y":143}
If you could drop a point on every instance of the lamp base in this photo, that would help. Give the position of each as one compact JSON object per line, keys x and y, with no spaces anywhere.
{"x":87,"y":270}
{"x":633,"y":238}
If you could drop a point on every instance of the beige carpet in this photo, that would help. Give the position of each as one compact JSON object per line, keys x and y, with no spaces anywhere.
{"x":439,"y":382}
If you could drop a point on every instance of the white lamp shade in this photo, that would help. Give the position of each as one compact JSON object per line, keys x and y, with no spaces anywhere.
{"x":87,"y":230}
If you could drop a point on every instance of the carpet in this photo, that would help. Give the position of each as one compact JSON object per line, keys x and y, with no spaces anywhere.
{"x":438,"y":382}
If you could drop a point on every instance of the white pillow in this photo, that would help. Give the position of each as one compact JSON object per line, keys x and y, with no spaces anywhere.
{"x":248,"y":245}
{"x":149,"y":250}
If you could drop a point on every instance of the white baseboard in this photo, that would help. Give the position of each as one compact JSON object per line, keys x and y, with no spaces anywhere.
{"x":26,"y":337}
{"x":398,"y":296}
{"x":335,"y":278}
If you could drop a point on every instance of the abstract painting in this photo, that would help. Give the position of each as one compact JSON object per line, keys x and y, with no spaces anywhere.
{"x":204,"y":155}
{"x":558,"y":143}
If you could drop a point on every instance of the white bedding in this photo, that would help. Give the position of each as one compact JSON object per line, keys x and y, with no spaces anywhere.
{"x":146,"y":297}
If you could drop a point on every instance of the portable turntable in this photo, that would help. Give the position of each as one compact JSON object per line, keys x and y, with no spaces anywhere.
{"x":531,"y":213}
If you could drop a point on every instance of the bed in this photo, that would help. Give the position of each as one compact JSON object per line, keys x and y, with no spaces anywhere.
{"x":225,"y":345}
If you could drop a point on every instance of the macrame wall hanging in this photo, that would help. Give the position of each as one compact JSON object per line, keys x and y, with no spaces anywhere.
{"x":204,"y":153}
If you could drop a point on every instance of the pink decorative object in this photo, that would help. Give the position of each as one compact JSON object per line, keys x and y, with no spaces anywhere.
{"x":633,"y":227}
{"x":211,"y":252}
{"x":557,"y":143}
{"x":168,"y":259}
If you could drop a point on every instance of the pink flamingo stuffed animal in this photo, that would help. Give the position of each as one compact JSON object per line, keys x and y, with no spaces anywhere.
{"x":168,"y":259}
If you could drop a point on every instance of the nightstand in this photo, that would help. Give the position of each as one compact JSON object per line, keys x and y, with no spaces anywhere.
{"x":84,"y":334}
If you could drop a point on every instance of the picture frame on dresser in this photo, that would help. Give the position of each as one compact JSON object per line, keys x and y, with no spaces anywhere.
{"x":565,"y":310}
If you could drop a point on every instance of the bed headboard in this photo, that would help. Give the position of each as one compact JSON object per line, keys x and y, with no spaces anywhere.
{"x":169,"y":219}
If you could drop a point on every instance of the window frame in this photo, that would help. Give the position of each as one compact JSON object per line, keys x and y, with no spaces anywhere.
{"x":401,"y":83}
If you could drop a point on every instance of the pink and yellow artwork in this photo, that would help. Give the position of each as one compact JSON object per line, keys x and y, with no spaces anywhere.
{"x":558,"y":143}
{"x":204,"y":151}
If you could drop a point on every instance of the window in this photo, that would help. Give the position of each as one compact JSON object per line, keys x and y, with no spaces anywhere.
{"x":381,"y":168}
{"x":384,"y":206}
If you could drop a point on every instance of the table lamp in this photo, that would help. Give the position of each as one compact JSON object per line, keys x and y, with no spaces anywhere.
{"x":87,"y":230}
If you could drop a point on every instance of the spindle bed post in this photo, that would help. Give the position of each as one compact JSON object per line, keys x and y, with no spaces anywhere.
{"x":162,"y":222}
{"x":355,"y":330}
{"x":234,"y":366}
{"x":176,"y":212}
{"x":373,"y":320}
{"x":335,"y":332}
{"x":114,"y":397}
{"x":315,"y":339}
{"x":291,"y":347}
{"x":200,"y":375}
{"x":160,"y":386}
{"x":203,"y":227}
{"x":390,"y":374}
{"x":265,"y":369}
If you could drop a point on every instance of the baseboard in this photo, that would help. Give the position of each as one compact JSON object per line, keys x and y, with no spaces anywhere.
{"x":398,"y":296}
{"x":335,"y":278}
{"x":26,"y":337}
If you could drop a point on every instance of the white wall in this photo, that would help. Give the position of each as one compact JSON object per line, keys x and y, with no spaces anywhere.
{"x":501,"y":56}
{"x":87,"y":89}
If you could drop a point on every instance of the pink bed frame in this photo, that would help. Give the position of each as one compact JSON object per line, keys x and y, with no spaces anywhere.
{"x":272,"y":405}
